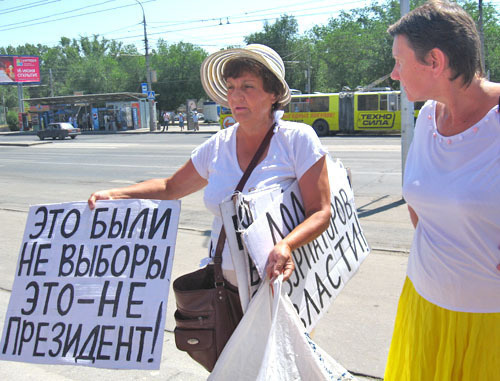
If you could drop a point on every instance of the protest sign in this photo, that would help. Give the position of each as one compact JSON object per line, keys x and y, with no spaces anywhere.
{"x":323,"y":266}
{"x":91,"y":287}
{"x":237,"y":214}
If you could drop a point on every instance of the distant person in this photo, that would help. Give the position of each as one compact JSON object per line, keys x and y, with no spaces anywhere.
{"x":196,"y":126}
{"x":166,"y":121}
{"x":112,"y":121}
{"x":84,"y":121}
{"x":106,"y":122}
{"x":181,"y":121}
{"x":448,"y":321}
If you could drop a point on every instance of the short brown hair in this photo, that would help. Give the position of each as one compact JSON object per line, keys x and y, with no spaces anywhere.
{"x":236,"y":67}
{"x":446,"y":26}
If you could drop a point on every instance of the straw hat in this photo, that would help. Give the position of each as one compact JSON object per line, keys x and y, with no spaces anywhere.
{"x":212,"y":69}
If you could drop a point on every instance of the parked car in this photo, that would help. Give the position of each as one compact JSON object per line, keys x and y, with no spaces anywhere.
{"x":59,"y":131}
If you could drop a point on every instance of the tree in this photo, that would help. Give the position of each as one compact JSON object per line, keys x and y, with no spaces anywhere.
{"x":354,"y":49}
{"x":282,"y":36}
{"x":178,"y":71}
{"x":491,"y":29}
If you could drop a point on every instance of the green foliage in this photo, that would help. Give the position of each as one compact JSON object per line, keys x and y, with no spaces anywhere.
{"x":8,"y":96}
{"x":178,"y":72}
{"x":354,"y":48}
{"x":282,"y":36}
{"x":13,"y":120}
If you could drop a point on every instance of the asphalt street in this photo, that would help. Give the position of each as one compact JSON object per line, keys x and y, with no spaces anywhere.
{"x":357,"y":328}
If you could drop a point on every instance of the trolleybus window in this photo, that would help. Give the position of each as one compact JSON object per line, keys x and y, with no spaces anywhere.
{"x":319,"y":104}
{"x":389,"y":102}
{"x":299,"y":105}
{"x":368,"y":102}
{"x":312,"y":104}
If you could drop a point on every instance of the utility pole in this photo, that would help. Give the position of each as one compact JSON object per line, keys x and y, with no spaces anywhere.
{"x":308,"y":80}
{"x":481,"y":35}
{"x":152,"y":116}
{"x":51,"y":80}
{"x":407,"y":111}
{"x":20,"y":97}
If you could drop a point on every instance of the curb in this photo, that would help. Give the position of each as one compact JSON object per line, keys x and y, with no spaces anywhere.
{"x":23,"y":144}
{"x":128,"y":132}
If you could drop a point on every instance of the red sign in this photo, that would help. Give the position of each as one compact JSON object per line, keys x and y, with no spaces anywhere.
{"x":19,"y":69}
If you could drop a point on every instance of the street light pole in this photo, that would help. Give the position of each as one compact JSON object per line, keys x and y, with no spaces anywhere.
{"x":152,"y":116}
{"x":481,"y":35}
{"x":407,"y":118}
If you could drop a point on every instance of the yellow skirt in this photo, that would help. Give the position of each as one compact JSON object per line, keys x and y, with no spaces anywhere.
{"x":431,"y":343}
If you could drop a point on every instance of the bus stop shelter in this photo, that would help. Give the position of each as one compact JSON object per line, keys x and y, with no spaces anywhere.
{"x":110,"y":111}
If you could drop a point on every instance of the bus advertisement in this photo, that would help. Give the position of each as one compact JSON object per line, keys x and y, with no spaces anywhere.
{"x":344,"y":112}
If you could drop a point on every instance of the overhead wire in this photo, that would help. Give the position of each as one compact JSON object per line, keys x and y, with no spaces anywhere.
{"x":27,"y":6}
{"x":262,"y":15}
{"x":217,"y":25}
{"x":69,"y":17}
{"x":265,"y":16}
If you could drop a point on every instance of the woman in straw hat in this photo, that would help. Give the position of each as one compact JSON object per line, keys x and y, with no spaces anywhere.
{"x":251,"y":81}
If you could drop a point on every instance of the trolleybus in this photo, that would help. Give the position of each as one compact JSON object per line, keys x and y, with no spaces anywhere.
{"x":345,"y":112}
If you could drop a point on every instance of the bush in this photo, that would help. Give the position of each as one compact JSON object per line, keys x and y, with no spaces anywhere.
{"x":13,"y":120}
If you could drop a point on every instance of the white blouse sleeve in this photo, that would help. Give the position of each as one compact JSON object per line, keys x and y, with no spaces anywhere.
{"x":307,"y":149}
{"x":203,"y":155}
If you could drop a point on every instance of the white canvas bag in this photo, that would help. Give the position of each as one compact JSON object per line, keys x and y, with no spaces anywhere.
{"x":271,"y":344}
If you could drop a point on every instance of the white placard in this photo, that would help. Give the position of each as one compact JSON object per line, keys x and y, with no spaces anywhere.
{"x":91,"y":287}
{"x":238,"y":213}
{"x":323,"y":266}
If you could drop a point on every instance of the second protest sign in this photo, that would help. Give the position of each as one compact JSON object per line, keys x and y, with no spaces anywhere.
{"x":91,"y":287}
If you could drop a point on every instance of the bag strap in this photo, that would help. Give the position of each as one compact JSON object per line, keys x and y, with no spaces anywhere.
{"x":219,"y":278}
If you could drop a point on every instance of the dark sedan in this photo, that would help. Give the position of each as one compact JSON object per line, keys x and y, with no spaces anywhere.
{"x":59,"y":131}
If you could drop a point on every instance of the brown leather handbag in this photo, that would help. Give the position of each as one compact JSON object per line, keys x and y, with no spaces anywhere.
{"x":208,"y":308}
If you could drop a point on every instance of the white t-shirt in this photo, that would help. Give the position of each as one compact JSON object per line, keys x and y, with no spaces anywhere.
{"x":294,"y":148}
{"x":453,"y":184}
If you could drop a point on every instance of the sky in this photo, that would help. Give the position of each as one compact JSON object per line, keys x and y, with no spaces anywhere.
{"x":212,"y":25}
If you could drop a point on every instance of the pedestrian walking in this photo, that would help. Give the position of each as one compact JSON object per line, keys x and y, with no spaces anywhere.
{"x":251,"y":81}
{"x":448,"y":321}
{"x":166,"y":121}
{"x":195,"y":121}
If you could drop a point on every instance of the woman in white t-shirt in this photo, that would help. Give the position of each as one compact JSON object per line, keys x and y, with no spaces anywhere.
{"x":251,"y":81}
{"x":448,"y":321}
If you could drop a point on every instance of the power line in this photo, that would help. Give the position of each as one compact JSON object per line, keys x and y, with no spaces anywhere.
{"x":69,"y":17}
{"x":26,"y":6}
{"x":218,"y":25}
{"x":55,"y":14}
{"x":244,"y":18}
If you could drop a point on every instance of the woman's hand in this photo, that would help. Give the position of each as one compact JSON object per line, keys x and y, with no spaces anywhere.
{"x":100,"y":195}
{"x":280,"y":261}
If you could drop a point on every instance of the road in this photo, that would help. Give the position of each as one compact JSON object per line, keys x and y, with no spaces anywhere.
{"x":62,"y":171}
{"x":71,"y":170}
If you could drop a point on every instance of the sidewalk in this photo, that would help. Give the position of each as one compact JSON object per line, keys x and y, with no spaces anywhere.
{"x":356,"y":331}
{"x":205,"y":128}
{"x":173,"y":128}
